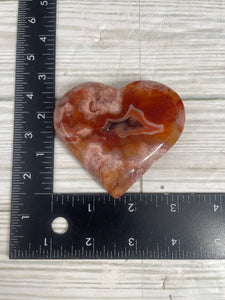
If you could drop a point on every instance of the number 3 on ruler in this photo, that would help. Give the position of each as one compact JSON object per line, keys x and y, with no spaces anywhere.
{"x":28,"y":135}
{"x":42,"y":77}
{"x":173,"y":207}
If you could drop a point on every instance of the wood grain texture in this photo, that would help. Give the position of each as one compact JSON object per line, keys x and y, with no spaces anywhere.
{"x":171,"y":43}
{"x":180,"y":43}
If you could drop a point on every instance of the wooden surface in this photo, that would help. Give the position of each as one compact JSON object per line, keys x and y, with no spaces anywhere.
{"x":179,"y":43}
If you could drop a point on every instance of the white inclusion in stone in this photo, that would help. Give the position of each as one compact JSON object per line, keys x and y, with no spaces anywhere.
{"x":84,"y":132}
{"x":96,"y":161}
{"x":107,"y":100}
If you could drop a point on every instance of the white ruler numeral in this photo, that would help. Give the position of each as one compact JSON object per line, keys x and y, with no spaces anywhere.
{"x":89,"y":241}
{"x":27,"y":176}
{"x":215,"y":207}
{"x":32,"y":20}
{"x":28,"y":135}
{"x":217,"y":242}
{"x":45,"y":242}
{"x":30,"y":95}
{"x":39,"y":154}
{"x":25,"y":217}
{"x":44,"y":3}
{"x":42,"y":77}
{"x":30,"y":57}
{"x":91,"y":207}
{"x":131,"y":242}
{"x":173,"y":242}
{"x":173,"y":207}
{"x":43,"y":38}
{"x":40,"y":116}
{"x":131,"y":207}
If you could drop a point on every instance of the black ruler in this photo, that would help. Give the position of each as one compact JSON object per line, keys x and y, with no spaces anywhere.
{"x":174,"y":226}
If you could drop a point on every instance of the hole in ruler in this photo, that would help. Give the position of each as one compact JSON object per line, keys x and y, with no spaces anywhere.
{"x":60,"y":225}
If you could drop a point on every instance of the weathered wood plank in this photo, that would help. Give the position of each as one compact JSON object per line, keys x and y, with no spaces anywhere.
{"x":196,"y":162}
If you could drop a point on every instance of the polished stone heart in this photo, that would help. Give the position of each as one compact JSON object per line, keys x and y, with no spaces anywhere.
{"x":118,"y":134}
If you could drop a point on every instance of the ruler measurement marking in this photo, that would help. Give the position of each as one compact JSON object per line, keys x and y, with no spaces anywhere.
{"x":22,"y":151}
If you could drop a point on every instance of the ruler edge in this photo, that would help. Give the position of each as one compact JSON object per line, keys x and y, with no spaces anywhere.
{"x":17,"y":64}
{"x":14,"y":127}
{"x":109,"y":197}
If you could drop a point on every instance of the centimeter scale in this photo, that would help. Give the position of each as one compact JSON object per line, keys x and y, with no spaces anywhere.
{"x":137,"y":225}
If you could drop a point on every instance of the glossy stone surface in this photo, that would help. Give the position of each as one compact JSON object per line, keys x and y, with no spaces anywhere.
{"x":118,"y":134}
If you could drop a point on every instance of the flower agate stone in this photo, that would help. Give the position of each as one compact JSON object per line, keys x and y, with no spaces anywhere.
{"x":118,"y":134}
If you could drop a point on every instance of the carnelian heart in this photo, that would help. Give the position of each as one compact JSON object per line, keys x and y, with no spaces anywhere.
{"x":118,"y":134}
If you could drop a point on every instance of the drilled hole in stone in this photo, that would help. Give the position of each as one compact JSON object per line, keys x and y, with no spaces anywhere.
{"x":60,"y":225}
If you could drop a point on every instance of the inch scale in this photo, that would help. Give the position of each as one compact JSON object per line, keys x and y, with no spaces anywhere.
{"x":174,"y":226}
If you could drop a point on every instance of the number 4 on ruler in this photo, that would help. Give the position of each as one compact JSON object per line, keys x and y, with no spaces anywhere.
{"x":215,"y":207}
{"x":43,"y":38}
{"x":30,"y":95}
